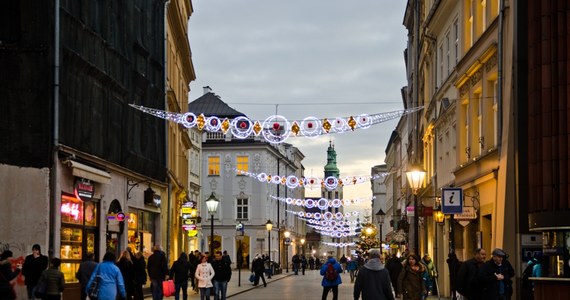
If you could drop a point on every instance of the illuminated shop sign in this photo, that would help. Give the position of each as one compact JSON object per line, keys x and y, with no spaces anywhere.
{"x":83,"y":189}
{"x":71,"y":209}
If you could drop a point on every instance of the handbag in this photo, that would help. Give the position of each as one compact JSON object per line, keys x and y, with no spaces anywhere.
{"x":168,"y":288}
{"x":41,"y":287}
{"x":252,"y":277}
{"x":93,"y":291}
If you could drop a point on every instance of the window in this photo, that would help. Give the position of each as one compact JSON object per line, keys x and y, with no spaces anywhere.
{"x":242,"y":163}
{"x":447,"y":53}
{"x":214,"y":166}
{"x":242,"y":208}
{"x":441,"y":65}
{"x":456,"y":33}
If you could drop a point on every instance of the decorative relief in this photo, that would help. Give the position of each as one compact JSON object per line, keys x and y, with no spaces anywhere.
{"x":463,"y":90}
{"x":476,"y":77}
{"x":242,"y":183}
{"x":256,"y":162}
{"x":213,"y":184}
{"x":491,"y":63}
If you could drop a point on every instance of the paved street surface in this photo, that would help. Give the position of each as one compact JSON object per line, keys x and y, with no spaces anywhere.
{"x":284,"y":286}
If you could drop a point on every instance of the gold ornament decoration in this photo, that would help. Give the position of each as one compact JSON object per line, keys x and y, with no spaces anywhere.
{"x":351,"y":123}
{"x":295,"y":128}
{"x":327,"y":125}
{"x":257,"y":128}
{"x":225,"y":125}
{"x":201,"y":121}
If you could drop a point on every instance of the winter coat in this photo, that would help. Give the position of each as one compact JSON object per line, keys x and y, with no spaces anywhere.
{"x":258,"y":266}
{"x":33,"y":268}
{"x":55,"y":281}
{"x":490,"y":284}
{"x":337,"y":267}
{"x":7,"y":275}
{"x":157,"y":266}
{"x":110,"y":280}
{"x":140,"y":271}
{"x":180,"y":271}
{"x":86,"y":268}
{"x":467,"y":280}
{"x":204,"y":274}
{"x":373,"y":281}
{"x":411,"y":283}
{"x":394,"y":267}
{"x":127,"y":269}
{"x":222,"y":269}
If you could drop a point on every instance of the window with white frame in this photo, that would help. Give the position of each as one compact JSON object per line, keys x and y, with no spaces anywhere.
{"x":447,"y":53}
{"x":242,"y":208}
{"x":456,"y":35}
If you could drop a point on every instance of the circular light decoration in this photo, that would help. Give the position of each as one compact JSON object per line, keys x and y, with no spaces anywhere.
{"x":289,"y":201}
{"x":292,"y":182}
{"x":323,"y":204}
{"x":309,"y":203}
{"x":276,"y":129}
{"x":318,"y":215}
{"x":241,"y":127}
{"x":213,"y":124}
{"x":331,"y":182}
{"x":311,"y":127}
{"x":299,"y":202}
{"x":276,"y":179}
{"x":336,"y":203}
{"x":328,"y":215}
{"x":339,"y":125}
{"x":339,"y":216}
{"x":364,"y":121}
{"x":188,"y":120}
{"x":262,"y":177}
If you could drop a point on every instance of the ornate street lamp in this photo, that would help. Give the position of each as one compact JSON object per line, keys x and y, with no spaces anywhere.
{"x":212,"y":203}
{"x":416,"y":176}
{"x":380,"y":215}
{"x":269,"y":226}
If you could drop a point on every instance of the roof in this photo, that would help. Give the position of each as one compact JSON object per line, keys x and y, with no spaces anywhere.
{"x":210,"y":104}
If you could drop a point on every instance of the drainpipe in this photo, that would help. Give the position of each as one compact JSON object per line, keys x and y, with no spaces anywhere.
{"x":500,"y":73}
{"x":169,"y":204}
{"x":54,"y":218}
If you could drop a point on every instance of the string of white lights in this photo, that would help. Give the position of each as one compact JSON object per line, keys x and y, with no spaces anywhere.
{"x":322,"y":203}
{"x":339,"y":244}
{"x":276,"y":129}
{"x":327,"y":216}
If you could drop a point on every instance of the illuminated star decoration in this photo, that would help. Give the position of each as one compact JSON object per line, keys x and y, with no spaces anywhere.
{"x":276,"y":129}
{"x":329,"y":183}
{"x":322,"y":203}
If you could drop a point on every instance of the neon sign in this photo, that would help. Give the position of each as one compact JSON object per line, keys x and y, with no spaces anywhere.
{"x":71,"y":209}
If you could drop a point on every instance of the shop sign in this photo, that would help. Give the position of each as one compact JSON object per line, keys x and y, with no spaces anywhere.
{"x":192,"y":233}
{"x":188,"y":222}
{"x":70,"y":209}
{"x":469,"y":213}
{"x":83,"y":189}
{"x":189,"y":227}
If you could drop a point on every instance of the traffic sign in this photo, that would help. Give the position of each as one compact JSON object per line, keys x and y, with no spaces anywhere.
{"x":452,"y":200}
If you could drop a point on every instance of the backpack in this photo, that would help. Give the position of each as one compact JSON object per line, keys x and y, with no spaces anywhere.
{"x":331,"y":273}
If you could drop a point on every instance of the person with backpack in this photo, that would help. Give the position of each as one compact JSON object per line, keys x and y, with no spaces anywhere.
{"x":331,"y":271}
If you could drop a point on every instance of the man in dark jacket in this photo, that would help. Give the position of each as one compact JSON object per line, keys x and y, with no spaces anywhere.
{"x":495,"y":277}
{"x":258,"y":267}
{"x":467,"y":284}
{"x":34,"y":265}
{"x":394,"y":267}
{"x":157,"y":268}
{"x":223,"y":274}
{"x":373,"y":280}
{"x":179,"y":271}
{"x":84,"y":273}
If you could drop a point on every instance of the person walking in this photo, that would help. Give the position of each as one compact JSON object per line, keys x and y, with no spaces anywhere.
{"x":204,"y":275}
{"x":373,"y":282}
{"x":411,"y":284}
{"x":311,"y":263}
{"x":430,"y":273}
{"x":303,"y":264}
{"x":351,"y":267}
{"x":140,"y":276}
{"x":54,"y":279}
{"x":296,"y":263}
{"x":258,"y":267}
{"x":495,"y":277}
{"x":343,"y":261}
{"x":127,"y":268}
{"x":223,"y":274}
{"x":157,"y":268}
{"x":6,"y":276}
{"x":394,"y":267}
{"x":226,"y":257}
{"x":109,"y":277}
{"x":331,"y":271}
{"x":84,"y":272}
{"x":180,"y":271}
{"x":467,"y":283}
{"x":34,"y":265}
{"x":194,"y":259}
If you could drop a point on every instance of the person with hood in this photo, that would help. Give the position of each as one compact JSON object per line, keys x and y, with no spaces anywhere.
{"x":180,"y":271}
{"x":431,"y":274}
{"x":6,"y":275}
{"x":373,"y":280}
{"x":84,"y":273}
{"x":410,"y":281}
{"x":495,"y":277}
{"x":204,"y":274}
{"x":330,"y":281}
{"x":257,"y":268}
{"x":394,"y":267}
{"x":34,"y":265}
{"x":110,"y":279}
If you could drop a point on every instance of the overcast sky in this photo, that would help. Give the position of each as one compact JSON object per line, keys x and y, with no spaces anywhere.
{"x":321,"y":58}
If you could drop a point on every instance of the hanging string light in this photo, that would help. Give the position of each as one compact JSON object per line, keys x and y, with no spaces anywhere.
{"x":276,"y":129}
{"x":339,"y":244}
{"x":322,"y":203}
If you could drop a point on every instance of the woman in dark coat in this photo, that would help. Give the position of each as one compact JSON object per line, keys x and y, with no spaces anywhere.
{"x":127,"y":268}
{"x":140,"y":275}
{"x":410,"y":281}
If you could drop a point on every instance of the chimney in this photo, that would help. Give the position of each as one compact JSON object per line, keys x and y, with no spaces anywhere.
{"x":207,"y":89}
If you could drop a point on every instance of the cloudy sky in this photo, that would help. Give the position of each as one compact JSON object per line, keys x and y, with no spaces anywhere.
{"x":321,"y":58}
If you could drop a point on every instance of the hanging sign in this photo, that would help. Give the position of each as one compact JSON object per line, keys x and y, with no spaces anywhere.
{"x":452,"y":200}
{"x":83,"y":189}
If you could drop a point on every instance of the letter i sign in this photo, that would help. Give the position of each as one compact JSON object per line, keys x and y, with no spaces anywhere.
{"x":452,"y":200}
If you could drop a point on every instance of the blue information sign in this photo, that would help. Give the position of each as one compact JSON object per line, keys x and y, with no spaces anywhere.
{"x":452,"y":200}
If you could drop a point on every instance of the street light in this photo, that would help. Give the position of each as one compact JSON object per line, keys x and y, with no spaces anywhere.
{"x":415,"y":176}
{"x":269,"y":226}
{"x":286,"y":234}
{"x":212,"y":204}
{"x":303,"y":247}
{"x":380,"y":215}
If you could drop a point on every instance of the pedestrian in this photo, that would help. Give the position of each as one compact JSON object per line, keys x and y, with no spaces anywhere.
{"x":180,"y":272}
{"x":54,"y":280}
{"x":343,"y":261}
{"x":495,"y":277}
{"x":34,"y":265}
{"x":467,"y":279}
{"x":204,"y":275}
{"x":532,"y":269}
{"x":84,"y":272}
{"x":194,"y":260}
{"x":312,"y":262}
{"x":127,"y":268}
{"x":226,"y":257}
{"x":157,"y":268}
{"x":296,"y":263}
{"x":303,"y":264}
{"x":223,"y":274}
{"x":331,"y":271}
{"x":430,"y":273}
{"x":109,"y":279}
{"x":373,"y":282}
{"x":394,"y":267}
{"x":6,"y":276}
{"x":411,"y":284}
{"x":257,"y":268}
{"x":317,"y":263}
{"x":351,"y":267}
{"x":140,"y":275}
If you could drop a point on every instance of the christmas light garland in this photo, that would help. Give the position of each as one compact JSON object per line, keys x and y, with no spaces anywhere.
{"x":322,"y":203}
{"x":329,"y":183}
{"x":327,"y":216}
{"x":338,"y":244}
{"x":276,"y":129}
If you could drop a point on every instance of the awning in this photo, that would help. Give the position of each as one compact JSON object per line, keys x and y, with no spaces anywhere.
{"x":87,"y":172}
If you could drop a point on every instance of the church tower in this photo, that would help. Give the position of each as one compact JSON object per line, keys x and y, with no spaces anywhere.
{"x":331,"y":169}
